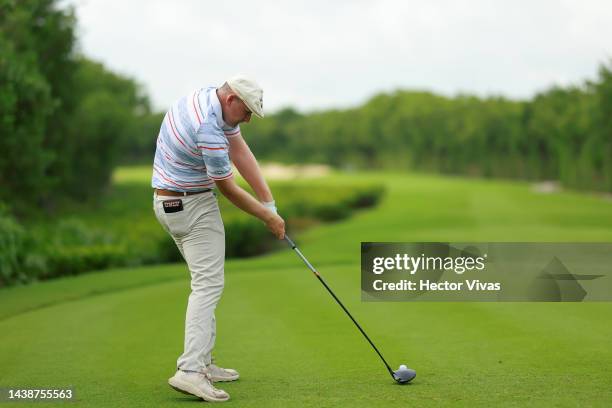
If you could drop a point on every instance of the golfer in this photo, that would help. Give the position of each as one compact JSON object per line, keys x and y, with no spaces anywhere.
{"x":198,"y":141}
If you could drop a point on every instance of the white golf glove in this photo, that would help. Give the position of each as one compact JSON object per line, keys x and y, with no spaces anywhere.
{"x":270,"y":205}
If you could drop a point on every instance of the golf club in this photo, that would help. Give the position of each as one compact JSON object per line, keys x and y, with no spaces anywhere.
{"x":403,"y":374}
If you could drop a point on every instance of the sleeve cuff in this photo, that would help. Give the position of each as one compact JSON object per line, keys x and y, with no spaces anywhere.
{"x":216,"y":178}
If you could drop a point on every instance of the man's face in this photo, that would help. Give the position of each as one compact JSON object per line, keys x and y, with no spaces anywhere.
{"x":237,"y":111}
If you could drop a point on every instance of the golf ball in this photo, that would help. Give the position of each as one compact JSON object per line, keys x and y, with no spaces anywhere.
{"x":403,"y":367}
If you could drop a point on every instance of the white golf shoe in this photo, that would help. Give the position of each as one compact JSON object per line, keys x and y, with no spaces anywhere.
{"x":218,"y":374}
{"x":198,"y":384}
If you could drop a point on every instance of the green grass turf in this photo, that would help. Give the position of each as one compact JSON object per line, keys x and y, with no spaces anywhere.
{"x":115,"y":335}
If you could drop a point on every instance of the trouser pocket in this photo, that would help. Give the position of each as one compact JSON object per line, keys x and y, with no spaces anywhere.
{"x":173,"y":216}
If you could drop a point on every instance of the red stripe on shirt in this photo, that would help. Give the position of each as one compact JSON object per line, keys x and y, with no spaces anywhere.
{"x":161,"y":173}
{"x":172,"y":159}
{"x":183,"y":164}
{"x":232,"y":134}
{"x":211,"y":148}
{"x":196,"y":109}
{"x":172,"y":126}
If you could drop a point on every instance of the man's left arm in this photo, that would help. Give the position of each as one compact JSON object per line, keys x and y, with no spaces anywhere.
{"x":246,"y":163}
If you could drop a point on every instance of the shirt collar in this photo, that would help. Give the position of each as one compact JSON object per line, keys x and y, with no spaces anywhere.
{"x":217,"y":108}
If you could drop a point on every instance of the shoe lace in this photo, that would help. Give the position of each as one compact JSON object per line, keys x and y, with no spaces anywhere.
{"x":208,"y":379}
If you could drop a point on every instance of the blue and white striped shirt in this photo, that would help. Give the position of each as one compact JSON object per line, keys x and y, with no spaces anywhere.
{"x":192,"y":146}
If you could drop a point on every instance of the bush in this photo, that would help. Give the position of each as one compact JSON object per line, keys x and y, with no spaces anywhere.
{"x":73,"y":260}
{"x":365,"y":197}
{"x":331,"y":211}
{"x":12,"y":238}
{"x":246,"y":237}
{"x":123,"y":231}
{"x":166,"y":251}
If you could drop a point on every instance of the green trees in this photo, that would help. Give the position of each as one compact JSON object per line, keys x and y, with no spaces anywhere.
{"x":64,"y":119}
{"x":563,"y":134}
{"x":32,"y":51}
{"x":98,"y":128}
{"x":571,"y":128}
{"x":600,"y":143}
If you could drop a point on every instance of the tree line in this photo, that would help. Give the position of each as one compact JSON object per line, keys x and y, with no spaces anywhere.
{"x":563,"y":133}
{"x":67,"y":121}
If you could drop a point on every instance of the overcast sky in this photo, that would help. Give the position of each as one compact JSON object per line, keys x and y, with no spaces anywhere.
{"x":320,"y":54}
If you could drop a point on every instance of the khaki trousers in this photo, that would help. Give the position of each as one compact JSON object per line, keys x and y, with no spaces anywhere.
{"x":199,"y":235}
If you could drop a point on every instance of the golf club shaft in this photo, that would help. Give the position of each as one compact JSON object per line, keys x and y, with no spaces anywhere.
{"x":296,"y":249}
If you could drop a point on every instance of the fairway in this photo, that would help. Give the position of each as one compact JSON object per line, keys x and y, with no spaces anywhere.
{"x":114,"y":336}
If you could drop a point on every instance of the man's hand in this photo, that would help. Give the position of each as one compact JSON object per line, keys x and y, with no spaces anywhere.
{"x":247,"y":203}
{"x":276,"y":225}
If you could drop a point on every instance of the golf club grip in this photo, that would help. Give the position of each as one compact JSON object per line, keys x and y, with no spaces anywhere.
{"x":297,"y":251}
{"x":289,"y":241}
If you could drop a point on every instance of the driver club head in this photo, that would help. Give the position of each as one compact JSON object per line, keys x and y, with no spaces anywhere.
{"x":404,"y":375}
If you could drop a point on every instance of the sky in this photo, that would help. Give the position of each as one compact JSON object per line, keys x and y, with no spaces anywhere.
{"x":314,"y":55}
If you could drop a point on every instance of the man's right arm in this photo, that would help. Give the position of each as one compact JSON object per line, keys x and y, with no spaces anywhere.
{"x":247,"y":203}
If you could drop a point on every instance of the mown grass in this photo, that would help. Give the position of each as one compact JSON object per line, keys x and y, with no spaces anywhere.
{"x":115,"y":335}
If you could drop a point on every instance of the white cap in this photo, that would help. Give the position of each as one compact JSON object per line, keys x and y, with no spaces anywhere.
{"x":249,"y":91}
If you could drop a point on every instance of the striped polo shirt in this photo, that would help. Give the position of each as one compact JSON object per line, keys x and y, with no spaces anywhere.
{"x":192,"y":145}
